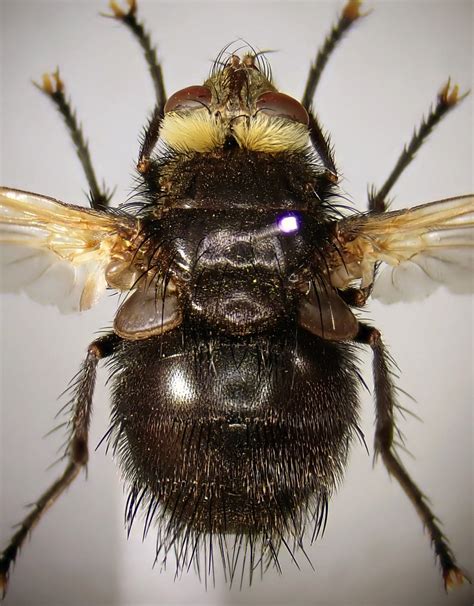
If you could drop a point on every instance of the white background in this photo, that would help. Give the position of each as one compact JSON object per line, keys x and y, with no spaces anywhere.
{"x":376,"y":88}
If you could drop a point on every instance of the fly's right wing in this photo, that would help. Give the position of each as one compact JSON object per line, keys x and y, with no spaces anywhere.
{"x":417,"y":249}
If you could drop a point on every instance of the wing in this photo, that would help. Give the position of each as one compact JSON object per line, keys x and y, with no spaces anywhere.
{"x":59,"y":253}
{"x":419,"y":249}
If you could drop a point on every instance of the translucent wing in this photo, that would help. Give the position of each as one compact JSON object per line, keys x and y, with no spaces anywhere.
{"x":420,"y":248}
{"x":58,"y":253}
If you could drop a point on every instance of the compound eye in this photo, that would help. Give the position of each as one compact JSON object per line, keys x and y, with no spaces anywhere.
{"x":192,"y":97}
{"x":282,"y":106}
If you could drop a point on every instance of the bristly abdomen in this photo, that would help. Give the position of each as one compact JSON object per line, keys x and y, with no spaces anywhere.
{"x":249,"y":437}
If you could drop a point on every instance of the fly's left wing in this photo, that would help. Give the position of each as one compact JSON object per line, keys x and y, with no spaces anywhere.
{"x":418,"y":249}
{"x":59,"y":253}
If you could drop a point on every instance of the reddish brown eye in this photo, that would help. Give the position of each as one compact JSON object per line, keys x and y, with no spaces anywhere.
{"x":283,"y":106}
{"x":192,"y":97}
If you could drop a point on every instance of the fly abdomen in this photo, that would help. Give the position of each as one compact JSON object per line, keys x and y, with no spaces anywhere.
{"x":241,"y":436}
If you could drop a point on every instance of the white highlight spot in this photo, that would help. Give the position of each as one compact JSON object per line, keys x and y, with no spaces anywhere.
{"x":288,"y":224}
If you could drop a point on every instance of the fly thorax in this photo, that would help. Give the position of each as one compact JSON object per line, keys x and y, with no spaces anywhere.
{"x":237,"y":283}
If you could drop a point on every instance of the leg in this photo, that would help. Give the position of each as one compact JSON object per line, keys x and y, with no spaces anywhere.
{"x":447,"y":99}
{"x":322,"y":145}
{"x":385,"y":403}
{"x":349,"y":14}
{"x":53,"y":87}
{"x":76,"y":451}
{"x":150,"y":138}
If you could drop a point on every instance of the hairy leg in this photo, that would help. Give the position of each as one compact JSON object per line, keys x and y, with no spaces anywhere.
{"x":76,"y":451}
{"x":447,"y":99}
{"x":53,"y":87}
{"x":320,"y":141}
{"x":385,"y":406}
{"x":150,"y":138}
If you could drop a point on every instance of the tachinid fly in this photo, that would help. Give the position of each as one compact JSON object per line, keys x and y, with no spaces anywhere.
{"x":233,"y":353}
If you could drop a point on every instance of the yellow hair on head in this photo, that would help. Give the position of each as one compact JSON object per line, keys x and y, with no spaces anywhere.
{"x":263,"y":133}
{"x":199,"y":131}
{"x":194,"y":131}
